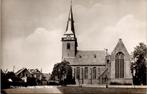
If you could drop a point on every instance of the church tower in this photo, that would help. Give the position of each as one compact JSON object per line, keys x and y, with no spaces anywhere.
{"x":69,"y":40}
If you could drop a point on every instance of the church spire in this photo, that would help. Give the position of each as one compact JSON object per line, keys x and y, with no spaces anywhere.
{"x":70,"y":30}
{"x":70,"y":23}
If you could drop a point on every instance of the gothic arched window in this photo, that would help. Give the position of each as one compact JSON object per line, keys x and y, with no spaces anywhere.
{"x":86,"y":73}
{"x":119,"y":65}
{"x":94,"y":72}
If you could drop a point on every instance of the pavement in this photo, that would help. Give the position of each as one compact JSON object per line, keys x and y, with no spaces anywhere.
{"x":117,"y":86}
{"x":73,"y":89}
{"x":85,"y":85}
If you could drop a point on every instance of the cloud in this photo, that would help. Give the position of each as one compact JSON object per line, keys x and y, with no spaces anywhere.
{"x":41,"y":49}
{"x":130,"y":29}
{"x":98,"y":25}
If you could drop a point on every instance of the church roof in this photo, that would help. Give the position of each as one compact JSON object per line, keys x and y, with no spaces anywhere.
{"x":95,"y":57}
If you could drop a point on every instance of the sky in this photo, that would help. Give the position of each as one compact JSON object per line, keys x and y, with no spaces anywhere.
{"x":32,"y":29}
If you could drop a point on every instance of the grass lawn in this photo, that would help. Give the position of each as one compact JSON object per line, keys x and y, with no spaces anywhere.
{"x":74,"y":90}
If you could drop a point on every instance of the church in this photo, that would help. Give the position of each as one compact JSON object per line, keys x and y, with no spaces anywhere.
{"x":96,"y":66}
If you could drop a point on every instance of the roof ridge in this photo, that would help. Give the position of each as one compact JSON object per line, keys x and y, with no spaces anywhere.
{"x":20,"y":71}
{"x":91,"y":50}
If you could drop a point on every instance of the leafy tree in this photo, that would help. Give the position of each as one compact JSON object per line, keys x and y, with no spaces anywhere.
{"x":4,"y":80}
{"x":62,"y":72}
{"x":138,"y":67}
{"x":31,"y":81}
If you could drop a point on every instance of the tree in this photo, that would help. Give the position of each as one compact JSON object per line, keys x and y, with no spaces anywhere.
{"x":62,"y":72}
{"x":138,"y":67}
{"x":31,"y":81}
{"x":10,"y":79}
{"x":4,"y":80}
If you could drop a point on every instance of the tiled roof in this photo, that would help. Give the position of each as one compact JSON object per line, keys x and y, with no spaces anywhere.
{"x":31,"y":71}
{"x":96,"y":57}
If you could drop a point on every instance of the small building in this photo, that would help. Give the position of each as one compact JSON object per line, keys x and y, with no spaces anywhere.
{"x":36,"y":73}
{"x":27,"y":74}
{"x":23,"y":74}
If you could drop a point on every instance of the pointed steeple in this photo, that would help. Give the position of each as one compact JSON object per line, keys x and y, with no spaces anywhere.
{"x":69,"y":34}
{"x":70,"y":23}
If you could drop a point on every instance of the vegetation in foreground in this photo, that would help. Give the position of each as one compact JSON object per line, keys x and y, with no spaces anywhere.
{"x":138,"y":67}
{"x":62,"y":73}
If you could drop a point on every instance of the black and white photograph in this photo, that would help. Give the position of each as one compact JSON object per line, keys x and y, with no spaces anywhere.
{"x":73,"y":46}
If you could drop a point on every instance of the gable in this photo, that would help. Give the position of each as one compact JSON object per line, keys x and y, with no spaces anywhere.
{"x":22,"y":72}
{"x":120,"y":47}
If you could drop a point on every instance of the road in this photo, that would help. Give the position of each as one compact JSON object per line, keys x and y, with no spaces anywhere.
{"x":74,"y":90}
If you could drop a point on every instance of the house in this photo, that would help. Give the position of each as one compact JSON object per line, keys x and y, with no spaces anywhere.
{"x":27,"y":74}
{"x":36,"y":73}
{"x":23,"y":74}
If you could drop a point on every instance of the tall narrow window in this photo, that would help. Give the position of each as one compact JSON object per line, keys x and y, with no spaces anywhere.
{"x":80,"y":56}
{"x":86,"y":73}
{"x":99,"y":71}
{"x":121,"y":68}
{"x":116,"y":68}
{"x":82,"y":72}
{"x":78,"y":73}
{"x":94,"y":55}
{"x":94,"y":72}
{"x":74,"y":72}
{"x":119,"y":65}
{"x":68,"y":45}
